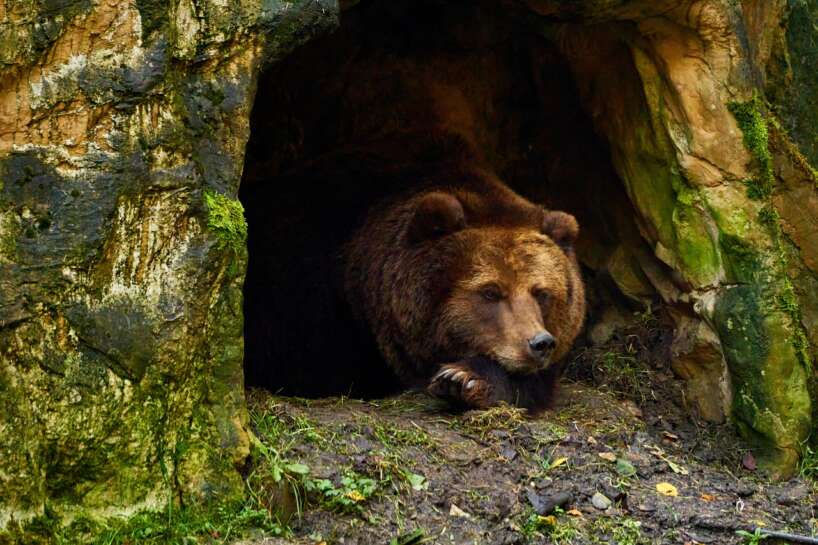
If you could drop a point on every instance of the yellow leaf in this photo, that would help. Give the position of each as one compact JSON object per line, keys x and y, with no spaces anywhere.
{"x":558,"y":462}
{"x":610,"y":456}
{"x":550,"y":520}
{"x":667,"y":489}
{"x":574,"y":512}
{"x":354,"y":495}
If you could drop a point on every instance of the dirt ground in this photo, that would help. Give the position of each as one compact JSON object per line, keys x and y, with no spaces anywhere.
{"x":407,"y":470}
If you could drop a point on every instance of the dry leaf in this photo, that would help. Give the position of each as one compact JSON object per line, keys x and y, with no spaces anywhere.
{"x":610,"y":456}
{"x":670,"y":436}
{"x":455,"y":511}
{"x":659,"y":453}
{"x":667,"y":489}
{"x":676,"y":467}
{"x":574,"y":513}
{"x":708,"y":497}
{"x":591,"y":440}
{"x":549,"y":520}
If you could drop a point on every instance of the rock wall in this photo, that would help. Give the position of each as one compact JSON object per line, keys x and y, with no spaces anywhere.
{"x":122,"y":255}
{"x":122,"y":133}
{"x":676,"y":92}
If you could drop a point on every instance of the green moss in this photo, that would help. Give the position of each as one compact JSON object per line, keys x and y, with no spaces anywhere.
{"x":754,"y":127}
{"x":226,"y":218}
{"x":788,"y":303}
{"x":743,"y":261}
{"x":771,"y":402}
{"x":756,"y":137}
{"x":694,"y":243}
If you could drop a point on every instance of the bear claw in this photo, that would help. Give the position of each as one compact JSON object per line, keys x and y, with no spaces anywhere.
{"x":461,"y":386}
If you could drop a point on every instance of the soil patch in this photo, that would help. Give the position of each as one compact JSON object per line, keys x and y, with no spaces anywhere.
{"x":407,"y":470}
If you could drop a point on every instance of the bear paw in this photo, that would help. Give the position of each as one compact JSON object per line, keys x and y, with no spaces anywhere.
{"x":462,"y":385}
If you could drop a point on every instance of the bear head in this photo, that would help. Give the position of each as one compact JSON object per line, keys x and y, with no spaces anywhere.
{"x":505,"y":289}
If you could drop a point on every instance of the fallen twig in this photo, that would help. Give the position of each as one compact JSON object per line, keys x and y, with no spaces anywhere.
{"x":788,"y":537}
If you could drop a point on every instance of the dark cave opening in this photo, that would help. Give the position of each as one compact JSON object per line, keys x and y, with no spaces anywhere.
{"x":357,"y":116}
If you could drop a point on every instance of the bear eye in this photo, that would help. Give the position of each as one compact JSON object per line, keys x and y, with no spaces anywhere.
{"x":541,"y":294}
{"x":491,"y":292}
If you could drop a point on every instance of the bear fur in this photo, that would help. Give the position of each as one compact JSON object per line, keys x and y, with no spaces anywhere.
{"x":454,"y":279}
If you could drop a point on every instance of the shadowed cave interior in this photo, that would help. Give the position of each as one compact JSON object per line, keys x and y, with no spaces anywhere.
{"x":361,"y":113}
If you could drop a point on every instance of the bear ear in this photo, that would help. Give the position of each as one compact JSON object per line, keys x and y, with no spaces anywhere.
{"x":436,"y":214}
{"x":561,"y":227}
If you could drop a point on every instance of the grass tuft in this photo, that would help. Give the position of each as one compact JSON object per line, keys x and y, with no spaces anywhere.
{"x":501,"y":417}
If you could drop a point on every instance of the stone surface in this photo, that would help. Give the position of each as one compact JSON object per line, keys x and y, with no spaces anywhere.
{"x":684,"y":147}
{"x":600,"y":501}
{"x":122,"y":130}
{"x":697,"y":357}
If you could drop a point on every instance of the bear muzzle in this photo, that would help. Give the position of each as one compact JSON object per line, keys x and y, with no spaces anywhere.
{"x":541,"y":346}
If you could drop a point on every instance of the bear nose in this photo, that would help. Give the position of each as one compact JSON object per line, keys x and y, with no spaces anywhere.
{"x":542,"y":343}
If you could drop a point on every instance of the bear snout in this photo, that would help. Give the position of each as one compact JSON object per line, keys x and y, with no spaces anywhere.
{"x":541,"y":345}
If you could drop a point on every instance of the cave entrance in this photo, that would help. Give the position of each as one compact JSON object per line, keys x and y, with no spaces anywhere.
{"x":401,"y":83}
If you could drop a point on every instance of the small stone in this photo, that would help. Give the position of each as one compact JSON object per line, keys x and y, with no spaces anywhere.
{"x":545,"y":504}
{"x":600,"y":501}
{"x":508,"y":453}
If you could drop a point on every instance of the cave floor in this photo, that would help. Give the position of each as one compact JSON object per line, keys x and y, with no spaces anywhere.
{"x":407,"y":470}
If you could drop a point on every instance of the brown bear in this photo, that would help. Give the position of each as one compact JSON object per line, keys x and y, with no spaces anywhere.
{"x":468,"y":289}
